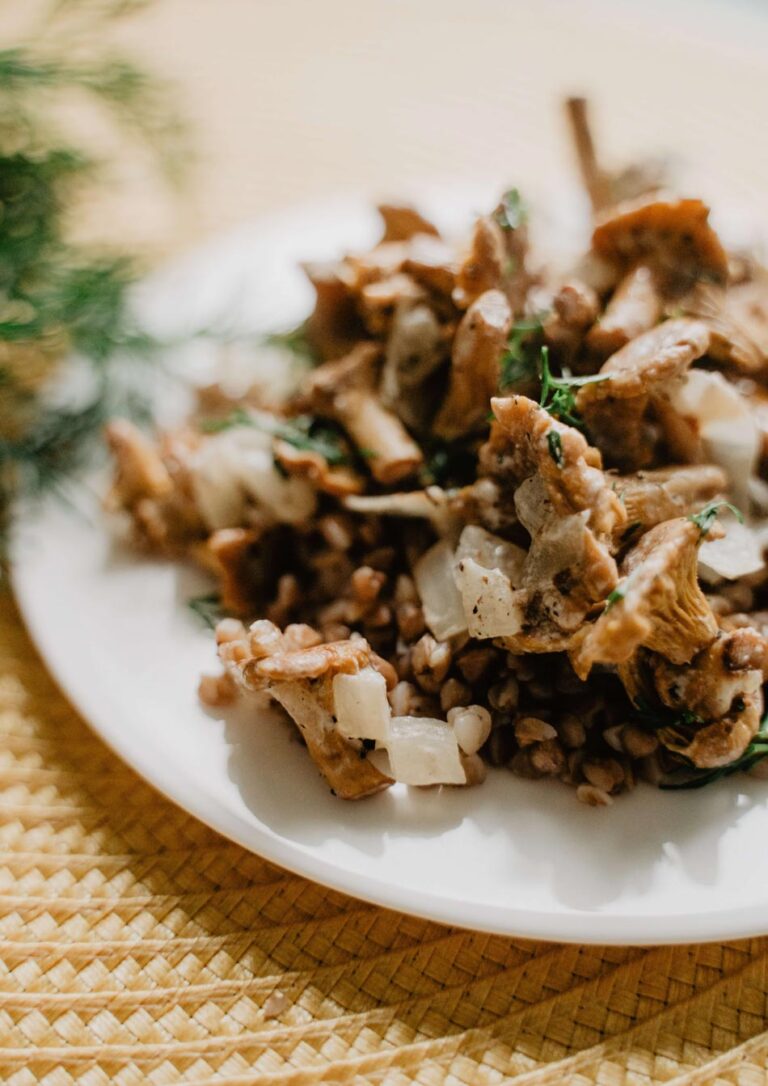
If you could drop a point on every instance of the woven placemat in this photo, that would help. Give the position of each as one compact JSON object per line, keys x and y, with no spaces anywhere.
{"x":136,"y":945}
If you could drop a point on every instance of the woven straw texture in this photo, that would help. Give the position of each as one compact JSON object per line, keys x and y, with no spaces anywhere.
{"x":138,"y":946}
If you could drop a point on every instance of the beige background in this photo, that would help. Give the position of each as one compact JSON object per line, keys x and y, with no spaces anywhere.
{"x":292,"y":98}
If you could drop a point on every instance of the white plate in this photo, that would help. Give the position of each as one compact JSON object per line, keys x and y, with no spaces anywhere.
{"x":518,"y":857}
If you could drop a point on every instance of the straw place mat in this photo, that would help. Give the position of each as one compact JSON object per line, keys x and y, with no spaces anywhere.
{"x":136,"y":945}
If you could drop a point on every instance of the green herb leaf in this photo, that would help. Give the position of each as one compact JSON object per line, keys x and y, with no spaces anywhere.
{"x":707,"y":516}
{"x":555,"y":446}
{"x":317,"y":436}
{"x":754,"y":753}
{"x":558,"y":394}
{"x":519,"y":361}
{"x":302,"y":431}
{"x":207,"y":608}
{"x":511,"y":212}
{"x":613,"y":598}
{"x":449,"y":463}
{"x":294,"y":340}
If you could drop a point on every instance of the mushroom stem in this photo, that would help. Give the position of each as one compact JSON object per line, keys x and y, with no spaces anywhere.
{"x":595,"y":181}
{"x":388,"y":448}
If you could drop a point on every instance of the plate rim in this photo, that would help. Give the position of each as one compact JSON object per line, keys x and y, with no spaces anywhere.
{"x":575,"y":926}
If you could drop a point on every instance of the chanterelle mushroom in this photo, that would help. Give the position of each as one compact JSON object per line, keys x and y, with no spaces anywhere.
{"x":650,"y":497}
{"x":301,"y":680}
{"x":483,"y":266}
{"x":616,"y":410}
{"x":345,"y":390}
{"x":477,"y":349}
{"x":634,"y":307}
{"x":529,"y":440}
{"x":737,"y":318}
{"x":402,"y":222}
{"x":671,"y":236}
{"x":658,"y":603}
{"x":568,"y":508}
{"x":717,"y":697}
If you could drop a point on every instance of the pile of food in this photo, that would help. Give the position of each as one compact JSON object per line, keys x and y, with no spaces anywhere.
{"x":504,"y":516}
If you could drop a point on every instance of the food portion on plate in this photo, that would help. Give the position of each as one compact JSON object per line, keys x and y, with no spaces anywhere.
{"x":502,"y":514}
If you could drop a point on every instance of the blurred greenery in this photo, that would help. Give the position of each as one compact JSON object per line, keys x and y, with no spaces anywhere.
{"x":59,"y":300}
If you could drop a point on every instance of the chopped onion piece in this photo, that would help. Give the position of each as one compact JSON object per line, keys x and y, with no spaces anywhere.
{"x":725,"y":424}
{"x":423,"y":751}
{"x":237,"y":463}
{"x":737,"y":554}
{"x":216,"y":485}
{"x":491,"y":551}
{"x":487,"y":570}
{"x":440,"y":599}
{"x":361,"y":706}
{"x":493,"y":608}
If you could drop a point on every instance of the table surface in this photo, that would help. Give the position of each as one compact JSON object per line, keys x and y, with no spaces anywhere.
{"x":137,"y":946}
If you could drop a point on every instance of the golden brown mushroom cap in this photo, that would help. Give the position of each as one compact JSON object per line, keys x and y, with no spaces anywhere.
{"x":661,"y":605}
{"x":672,"y":236}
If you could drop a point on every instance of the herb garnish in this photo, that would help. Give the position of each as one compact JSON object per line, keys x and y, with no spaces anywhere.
{"x":295,"y":340}
{"x":302,"y":431}
{"x":618,"y":593}
{"x":449,"y":463}
{"x":754,"y":753}
{"x":511,"y":212}
{"x":207,"y":608}
{"x":662,"y":717}
{"x":555,"y":446}
{"x":707,"y":516}
{"x":519,"y":361}
{"x":558,"y":394}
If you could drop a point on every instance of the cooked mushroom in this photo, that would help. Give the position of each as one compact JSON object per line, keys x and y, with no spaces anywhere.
{"x":334,"y":326}
{"x":718,"y":696}
{"x":574,"y":309}
{"x":658,"y":603}
{"x":477,"y":349}
{"x":379,"y":300}
{"x":602,"y":187}
{"x":139,"y":469}
{"x":415,"y":348}
{"x":531,"y":441}
{"x":671,"y":236}
{"x":737,"y":318}
{"x":402,"y":222}
{"x":650,"y":497}
{"x":634,"y":307}
{"x":483,"y":266}
{"x":346,"y":390}
{"x":231,"y":555}
{"x":301,"y":680}
{"x":432,"y":263}
{"x":616,"y":410}
{"x":434,"y":504}
{"x":339,"y":481}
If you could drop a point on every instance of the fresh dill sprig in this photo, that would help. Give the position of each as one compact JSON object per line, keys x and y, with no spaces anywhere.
{"x":295,"y":340}
{"x":207,"y":608}
{"x":707,"y":516}
{"x":302,"y":431}
{"x":512,"y":212}
{"x":756,"y":751}
{"x":59,"y":299}
{"x":449,"y":463}
{"x":614,"y":597}
{"x":558,"y":394}
{"x":555,"y":446}
{"x":656,"y":717}
{"x":519,"y":362}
